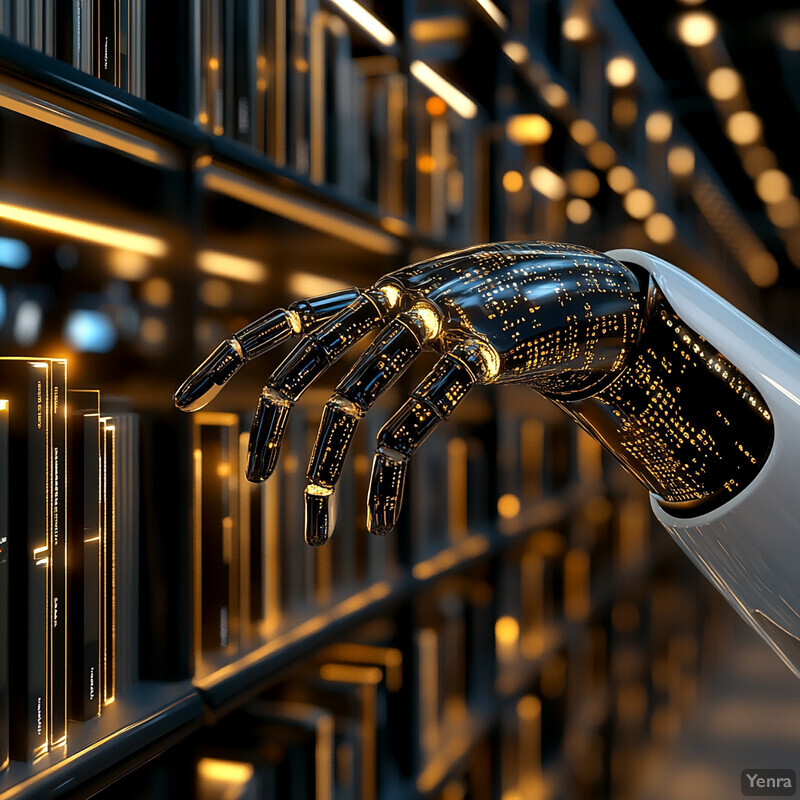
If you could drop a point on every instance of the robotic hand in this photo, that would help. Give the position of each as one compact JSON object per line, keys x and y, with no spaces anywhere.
{"x":623,"y":342}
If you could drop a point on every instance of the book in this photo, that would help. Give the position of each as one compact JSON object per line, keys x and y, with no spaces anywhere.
{"x":4,"y":578}
{"x":57,"y":611}
{"x":108,"y":543}
{"x":26,"y":384}
{"x":106,"y":37}
{"x":84,"y":544}
{"x":216,"y":508}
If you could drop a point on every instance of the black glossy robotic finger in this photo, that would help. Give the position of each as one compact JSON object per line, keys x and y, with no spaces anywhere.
{"x":255,"y":339}
{"x":310,"y":358}
{"x":432,"y":402}
{"x":387,"y":358}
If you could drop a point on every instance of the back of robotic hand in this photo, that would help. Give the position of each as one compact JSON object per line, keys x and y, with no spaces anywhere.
{"x":692,"y":397}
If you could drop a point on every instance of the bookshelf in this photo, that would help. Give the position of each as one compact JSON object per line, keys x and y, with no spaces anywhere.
{"x":516,"y":602}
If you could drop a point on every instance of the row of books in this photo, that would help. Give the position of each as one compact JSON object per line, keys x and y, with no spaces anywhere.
{"x":104,"y":38}
{"x":64,"y":525}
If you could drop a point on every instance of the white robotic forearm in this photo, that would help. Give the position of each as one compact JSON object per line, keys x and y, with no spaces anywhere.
{"x":692,"y":397}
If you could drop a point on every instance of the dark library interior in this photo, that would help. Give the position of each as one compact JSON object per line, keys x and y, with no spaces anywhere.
{"x":171,"y":172}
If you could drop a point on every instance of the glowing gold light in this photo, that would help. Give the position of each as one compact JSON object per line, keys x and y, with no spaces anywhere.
{"x":788,"y":31}
{"x":529,"y":707}
{"x":455,"y":98}
{"x":215,"y":292}
{"x":508,"y":506}
{"x":601,"y":155}
{"x":660,"y":228}
{"x":743,"y":127}
{"x":83,"y":229}
{"x":621,"y":179}
{"x":128,"y":266}
{"x":554,"y":95}
{"x":429,"y":318}
{"x":391,"y":293}
{"x":639,"y":203}
{"x":426,"y":164}
{"x":309,"y":284}
{"x":548,"y":183}
{"x":578,"y":211}
{"x":583,"y":132}
{"x":680,"y":161}
{"x":494,"y":12}
{"x":233,"y":267}
{"x":366,"y":21}
{"x":786,"y":213}
{"x":153,"y":330}
{"x":697,"y":28}
{"x":528,"y":129}
{"x":773,"y":185}
{"x":428,"y":30}
{"x":583,"y":183}
{"x":513,"y":181}
{"x":624,"y":111}
{"x":762,"y":269}
{"x":658,"y":127}
{"x":157,"y":292}
{"x":231,"y":773}
{"x":506,"y":630}
{"x":577,"y":25}
{"x":516,"y":51}
{"x":621,"y":71}
{"x":757,"y":159}
{"x":724,"y":83}
{"x":435,"y":106}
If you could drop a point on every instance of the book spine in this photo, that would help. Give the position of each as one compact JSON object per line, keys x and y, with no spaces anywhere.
{"x":123,"y":34}
{"x":57,"y":716}
{"x":4,"y":593}
{"x":83,"y":546}
{"x":108,"y":544}
{"x":107,"y":45}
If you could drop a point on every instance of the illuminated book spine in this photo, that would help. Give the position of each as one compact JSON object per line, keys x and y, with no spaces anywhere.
{"x":27,"y":385}
{"x":108,"y":544}
{"x":84,"y":555}
{"x":216,"y":500}
{"x":106,"y":39}
{"x":4,"y":578}
{"x":57,"y":666}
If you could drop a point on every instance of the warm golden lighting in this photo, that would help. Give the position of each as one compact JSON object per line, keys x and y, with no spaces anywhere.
{"x":624,"y":111}
{"x":494,"y":12}
{"x":83,"y":229}
{"x":724,"y":83}
{"x":660,"y":228}
{"x":428,"y":30}
{"x":231,"y":773}
{"x":455,"y":98}
{"x":528,"y":129}
{"x":513,"y":181}
{"x":788,"y":31}
{"x":583,"y":183}
{"x":426,"y":164}
{"x":639,"y":203}
{"x":508,"y":506}
{"x":128,"y":266}
{"x":583,"y":132}
{"x":157,"y":292}
{"x":506,"y":631}
{"x":621,"y":179}
{"x":435,"y":106}
{"x":232,"y":267}
{"x":773,"y":185}
{"x":529,"y":707}
{"x":762,"y":269}
{"x":367,"y":21}
{"x":516,"y":51}
{"x":578,"y":211}
{"x":554,"y":95}
{"x":548,"y":183}
{"x":786,"y":213}
{"x":577,"y":25}
{"x":601,"y":155}
{"x":757,"y":159}
{"x":153,"y":331}
{"x":621,"y":71}
{"x":658,"y":127}
{"x":308,"y":284}
{"x":743,"y":127}
{"x":697,"y":28}
{"x":215,"y":292}
{"x":680,"y":161}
